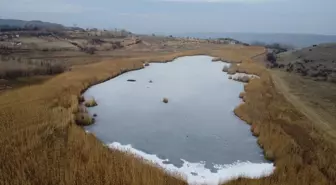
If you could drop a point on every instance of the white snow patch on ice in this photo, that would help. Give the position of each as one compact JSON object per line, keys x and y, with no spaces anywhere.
{"x":196,"y":173}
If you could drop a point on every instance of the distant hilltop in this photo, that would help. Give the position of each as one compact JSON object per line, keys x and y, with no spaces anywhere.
{"x":13,"y":24}
{"x":38,"y":28}
{"x":295,"y":40}
{"x":214,"y":40}
{"x":230,"y":41}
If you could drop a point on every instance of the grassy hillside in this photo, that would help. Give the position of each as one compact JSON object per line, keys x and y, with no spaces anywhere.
{"x":13,"y":23}
{"x":296,"y":40}
{"x":317,"y":62}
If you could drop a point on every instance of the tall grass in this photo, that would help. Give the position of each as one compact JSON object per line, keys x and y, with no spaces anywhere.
{"x":41,"y":144}
{"x":12,"y":68}
{"x":302,"y":155}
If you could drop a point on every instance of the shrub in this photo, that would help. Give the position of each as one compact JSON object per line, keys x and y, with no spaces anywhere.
{"x":81,"y":99}
{"x":255,"y":131}
{"x":84,"y":119}
{"x":241,"y":95}
{"x":271,"y":57}
{"x":91,"y":103}
{"x":89,"y":50}
{"x":269,"y":155}
{"x":260,"y":143}
{"x":25,"y":68}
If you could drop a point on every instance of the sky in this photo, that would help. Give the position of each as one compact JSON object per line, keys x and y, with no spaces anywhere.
{"x":182,"y":16}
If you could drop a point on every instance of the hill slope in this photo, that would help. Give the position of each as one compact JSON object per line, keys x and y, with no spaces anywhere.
{"x":317,"y":62}
{"x":13,"y":23}
{"x":296,"y":40}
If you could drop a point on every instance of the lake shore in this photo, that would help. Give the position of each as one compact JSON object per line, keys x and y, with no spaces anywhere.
{"x":149,"y":130}
{"x":41,"y":144}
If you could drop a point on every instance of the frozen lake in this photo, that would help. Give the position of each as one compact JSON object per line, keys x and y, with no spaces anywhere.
{"x":196,"y":133}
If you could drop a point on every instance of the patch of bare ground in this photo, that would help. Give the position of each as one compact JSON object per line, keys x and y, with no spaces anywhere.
{"x":41,"y":143}
{"x":301,"y":153}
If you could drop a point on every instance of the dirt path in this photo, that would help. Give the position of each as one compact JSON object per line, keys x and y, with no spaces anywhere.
{"x":318,"y":121}
{"x":261,"y":54}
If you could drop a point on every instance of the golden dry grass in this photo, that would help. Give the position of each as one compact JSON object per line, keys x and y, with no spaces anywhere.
{"x":242,"y":96}
{"x":84,"y":119}
{"x":41,"y":144}
{"x":90,"y":103}
{"x":315,"y":99}
{"x":302,"y":155}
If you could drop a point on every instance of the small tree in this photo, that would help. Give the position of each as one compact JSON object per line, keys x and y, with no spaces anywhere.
{"x":271,"y":57}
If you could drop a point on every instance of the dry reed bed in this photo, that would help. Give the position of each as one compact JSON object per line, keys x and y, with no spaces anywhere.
{"x":40,"y":144}
{"x":302,"y":155}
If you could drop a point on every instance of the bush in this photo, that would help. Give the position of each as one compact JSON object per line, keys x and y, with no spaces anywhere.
{"x":15,"y":69}
{"x":255,"y":130}
{"x":84,"y":119}
{"x":269,"y":155}
{"x":90,"y":50}
{"x":241,"y":95}
{"x":271,"y":57}
{"x":81,"y":99}
{"x":91,"y":103}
